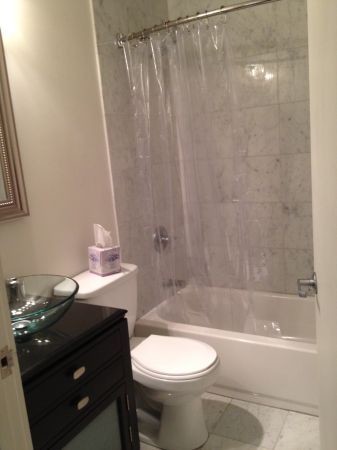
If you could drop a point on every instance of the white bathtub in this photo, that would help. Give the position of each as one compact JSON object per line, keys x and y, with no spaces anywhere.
{"x":266,"y":342}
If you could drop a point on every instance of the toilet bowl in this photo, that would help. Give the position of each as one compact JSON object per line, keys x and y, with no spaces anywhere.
{"x":174,"y":372}
{"x":170,"y":372}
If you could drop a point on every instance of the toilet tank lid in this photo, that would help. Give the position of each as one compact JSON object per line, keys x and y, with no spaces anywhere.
{"x":92,"y":285}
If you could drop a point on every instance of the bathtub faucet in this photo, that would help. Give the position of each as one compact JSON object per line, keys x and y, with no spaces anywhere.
{"x":307,"y":285}
{"x":170,"y":283}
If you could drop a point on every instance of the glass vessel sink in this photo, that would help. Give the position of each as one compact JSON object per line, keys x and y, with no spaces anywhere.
{"x":38,"y":301}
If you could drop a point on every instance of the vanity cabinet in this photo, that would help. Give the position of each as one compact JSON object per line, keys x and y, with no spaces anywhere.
{"x":77,"y":380}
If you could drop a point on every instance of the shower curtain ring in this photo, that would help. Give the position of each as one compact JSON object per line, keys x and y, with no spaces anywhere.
{"x":143,"y":36}
{"x":207,"y":19}
{"x":120,"y":40}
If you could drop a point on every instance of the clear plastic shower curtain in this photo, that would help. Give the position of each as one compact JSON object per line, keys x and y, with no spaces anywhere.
{"x":189,"y":159}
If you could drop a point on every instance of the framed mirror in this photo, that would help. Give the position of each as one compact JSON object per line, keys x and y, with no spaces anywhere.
{"x":13,"y":200}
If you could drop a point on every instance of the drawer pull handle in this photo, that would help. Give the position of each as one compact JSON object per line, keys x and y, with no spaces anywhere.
{"x":78,"y":373}
{"x":83,"y":403}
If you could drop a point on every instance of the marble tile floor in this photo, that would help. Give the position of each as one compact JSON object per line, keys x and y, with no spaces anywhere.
{"x":238,"y":425}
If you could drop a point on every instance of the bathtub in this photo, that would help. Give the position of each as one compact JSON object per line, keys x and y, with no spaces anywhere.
{"x":266,"y":341}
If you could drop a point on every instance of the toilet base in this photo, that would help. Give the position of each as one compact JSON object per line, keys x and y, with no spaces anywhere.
{"x":181,"y":427}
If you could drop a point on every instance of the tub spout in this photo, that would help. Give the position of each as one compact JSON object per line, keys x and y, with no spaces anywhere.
{"x":307,"y":286}
{"x":174,"y":283}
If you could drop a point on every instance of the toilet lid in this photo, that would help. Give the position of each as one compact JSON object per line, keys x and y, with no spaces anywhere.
{"x":174,"y":356}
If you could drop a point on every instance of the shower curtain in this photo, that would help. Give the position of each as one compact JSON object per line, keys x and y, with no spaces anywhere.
{"x":190,"y":164}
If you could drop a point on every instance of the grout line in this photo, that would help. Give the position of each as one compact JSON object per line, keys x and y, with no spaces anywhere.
{"x":243,"y":157}
{"x":290,"y":102}
{"x":264,"y":247}
{"x":278,"y":437}
{"x":221,"y":415}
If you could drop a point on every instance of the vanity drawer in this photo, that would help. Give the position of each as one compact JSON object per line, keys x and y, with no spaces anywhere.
{"x":70,"y":374}
{"x":76,"y":406}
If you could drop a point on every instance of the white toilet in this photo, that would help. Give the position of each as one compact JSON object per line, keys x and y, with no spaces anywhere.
{"x":172,"y":372}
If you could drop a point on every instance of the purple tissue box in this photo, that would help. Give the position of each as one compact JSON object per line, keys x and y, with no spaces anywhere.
{"x":104,"y":261}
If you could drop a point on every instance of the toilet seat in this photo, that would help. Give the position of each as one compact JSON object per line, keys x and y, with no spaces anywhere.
{"x":164,"y":377}
{"x":174,"y":358}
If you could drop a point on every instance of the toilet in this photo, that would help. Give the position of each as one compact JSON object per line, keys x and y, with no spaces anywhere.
{"x":171,"y":373}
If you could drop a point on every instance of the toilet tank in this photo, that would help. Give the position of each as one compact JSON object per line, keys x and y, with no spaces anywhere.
{"x":118,"y":290}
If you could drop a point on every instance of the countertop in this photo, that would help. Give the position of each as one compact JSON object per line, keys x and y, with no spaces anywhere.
{"x":81,"y":323}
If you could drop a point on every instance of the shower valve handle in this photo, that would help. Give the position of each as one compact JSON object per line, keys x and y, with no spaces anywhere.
{"x":161,"y":238}
{"x":307,"y":285}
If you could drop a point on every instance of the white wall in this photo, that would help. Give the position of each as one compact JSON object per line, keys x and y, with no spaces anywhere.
{"x":323,"y":105}
{"x":51,"y":55}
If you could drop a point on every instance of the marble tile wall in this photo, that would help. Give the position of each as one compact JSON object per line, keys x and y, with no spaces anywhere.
{"x":131,"y":193}
{"x":270,"y":54}
{"x":274,"y":115}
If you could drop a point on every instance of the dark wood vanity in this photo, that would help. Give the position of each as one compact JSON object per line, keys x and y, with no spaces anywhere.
{"x":78,"y":384}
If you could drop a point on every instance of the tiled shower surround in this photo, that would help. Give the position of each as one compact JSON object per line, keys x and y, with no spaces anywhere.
{"x":269,"y":45}
{"x":135,"y":226}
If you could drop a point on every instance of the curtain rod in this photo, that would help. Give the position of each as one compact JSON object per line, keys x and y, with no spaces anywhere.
{"x":122,"y":38}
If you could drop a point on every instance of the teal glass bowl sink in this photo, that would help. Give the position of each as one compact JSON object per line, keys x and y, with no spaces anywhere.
{"x":38,"y":301}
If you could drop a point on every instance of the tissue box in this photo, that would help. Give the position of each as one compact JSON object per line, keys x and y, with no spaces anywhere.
{"x":104,"y":261}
